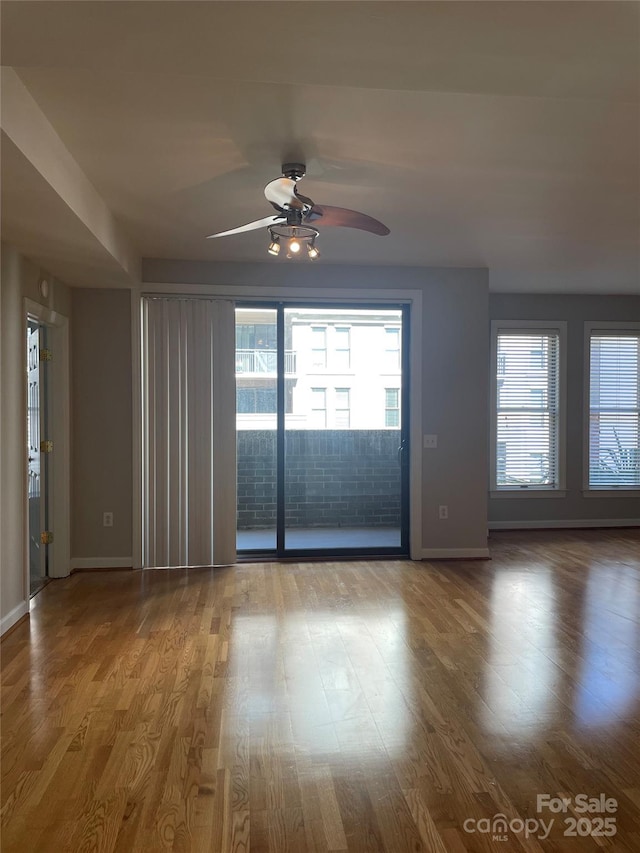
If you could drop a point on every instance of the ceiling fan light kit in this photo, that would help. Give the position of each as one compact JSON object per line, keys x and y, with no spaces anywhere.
{"x":294,"y":237}
{"x":295,"y":213}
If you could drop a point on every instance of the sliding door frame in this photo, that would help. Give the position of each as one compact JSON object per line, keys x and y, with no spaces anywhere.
{"x":281,"y":551}
{"x":264,"y":294}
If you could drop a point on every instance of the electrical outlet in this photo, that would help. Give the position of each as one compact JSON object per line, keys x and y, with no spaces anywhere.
{"x":107,"y":519}
{"x":443,"y":512}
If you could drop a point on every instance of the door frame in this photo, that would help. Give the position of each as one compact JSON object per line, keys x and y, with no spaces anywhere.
{"x":269,"y":293}
{"x":59,"y":479}
{"x":34,"y":449}
{"x":281,"y":551}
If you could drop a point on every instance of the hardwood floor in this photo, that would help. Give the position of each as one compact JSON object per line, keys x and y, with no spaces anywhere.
{"x":365,"y":706}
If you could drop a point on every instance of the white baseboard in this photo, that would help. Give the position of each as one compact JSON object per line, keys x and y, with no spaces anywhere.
{"x":101,"y":563}
{"x":455,"y":554}
{"x":567,"y":523}
{"x":12,"y":617}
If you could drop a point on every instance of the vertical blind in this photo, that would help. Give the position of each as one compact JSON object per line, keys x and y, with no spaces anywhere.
{"x":189,"y":441}
{"x":614,"y":410}
{"x":527,"y":417}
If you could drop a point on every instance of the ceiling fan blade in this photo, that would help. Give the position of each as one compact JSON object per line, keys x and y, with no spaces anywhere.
{"x":282,"y":195}
{"x":250,"y":226}
{"x":324,"y":214}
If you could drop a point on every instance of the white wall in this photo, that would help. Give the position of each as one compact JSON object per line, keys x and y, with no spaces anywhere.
{"x":13,"y":593}
{"x":455,"y":406}
{"x":102,"y":428}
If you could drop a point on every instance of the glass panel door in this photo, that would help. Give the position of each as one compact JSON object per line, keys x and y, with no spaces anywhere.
{"x":321,"y":420}
{"x":37,"y":468}
{"x":256,"y":425}
{"x":342,"y":471}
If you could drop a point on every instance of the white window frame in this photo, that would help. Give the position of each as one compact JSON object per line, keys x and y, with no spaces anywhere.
{"x":315,"y":368}
{"x":346,"y":408}
{"x":341,"y":349}
{"x":396,"y":408}
{"x":558,"y":327}
{"x":312,"y":408}
{"x":397,"y":350}
{"x":590,"y":328}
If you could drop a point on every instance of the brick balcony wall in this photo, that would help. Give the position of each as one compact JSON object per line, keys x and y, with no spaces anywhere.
{"x":334,"y":478}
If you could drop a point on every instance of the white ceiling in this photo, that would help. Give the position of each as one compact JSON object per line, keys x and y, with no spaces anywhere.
{"x":503,"y":135}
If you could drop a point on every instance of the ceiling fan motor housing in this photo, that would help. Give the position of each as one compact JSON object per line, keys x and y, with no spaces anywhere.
{"x":294,"y":171}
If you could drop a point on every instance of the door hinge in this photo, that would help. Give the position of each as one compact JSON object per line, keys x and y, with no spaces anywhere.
{"x":46,"y":537}
{"x":46,"y":446}
{"x":46,"y":355}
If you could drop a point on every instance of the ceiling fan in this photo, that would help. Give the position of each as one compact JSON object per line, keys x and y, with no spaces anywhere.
{"x":295,"y":222}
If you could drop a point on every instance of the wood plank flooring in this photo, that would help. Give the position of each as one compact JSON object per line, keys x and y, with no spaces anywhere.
{"x":363,"y":706}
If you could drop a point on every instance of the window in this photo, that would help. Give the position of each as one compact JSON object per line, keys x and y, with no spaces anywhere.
{"x":537,"y":358}
{"x":251,"y":336}
{"x":342,"y":353}
{"x":255,"y":400}
{"x":318,"y":410}
{"x":318,"y":346}
{"x":527,"y":394}
{"x":614,"y":409}
{"x":536,"y":395}
{"x":501,"y":461}
{"x":392,"y":349}
{"x":392,"y":407}
{"x":343,"y":410}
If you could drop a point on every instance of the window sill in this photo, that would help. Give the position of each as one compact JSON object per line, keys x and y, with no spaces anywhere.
{"x":531,"y":492}
{"x":623,"y":492}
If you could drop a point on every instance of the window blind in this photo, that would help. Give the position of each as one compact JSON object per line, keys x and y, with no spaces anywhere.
{"x":614,"y":410}
{"x":527,"y":402}
{"x":189,"y":437}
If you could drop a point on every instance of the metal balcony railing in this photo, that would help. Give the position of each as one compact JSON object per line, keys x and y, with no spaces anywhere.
{"x":263,"y":362}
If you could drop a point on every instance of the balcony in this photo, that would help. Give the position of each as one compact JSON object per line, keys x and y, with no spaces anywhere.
{"x":334,"y":479}
{"x":263,"y":362}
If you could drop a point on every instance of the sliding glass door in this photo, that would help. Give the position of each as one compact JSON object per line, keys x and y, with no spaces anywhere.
{"x":256,"y":424}
{"x":321,"y":430}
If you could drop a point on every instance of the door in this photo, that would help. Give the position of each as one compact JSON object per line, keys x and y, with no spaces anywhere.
{"x":322,"y":430}
{"x":36,"y":472}
{"x":257,"y":428}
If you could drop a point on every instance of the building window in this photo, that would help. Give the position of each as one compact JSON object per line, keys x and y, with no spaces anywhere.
{"x":614,"y":410}
{"x":255,"y":401}
{"x":501,"y":461}
{"x":252,"y":336}
{"x":392,"y":349}
{"x":392,"y":407}
{"x":318,"y":410}
{"x":537,"y":357}
{"x":343,"y":409}
{"x":318,"y":346}
{"x":342,"y":350}
{"x":527,"y":433}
